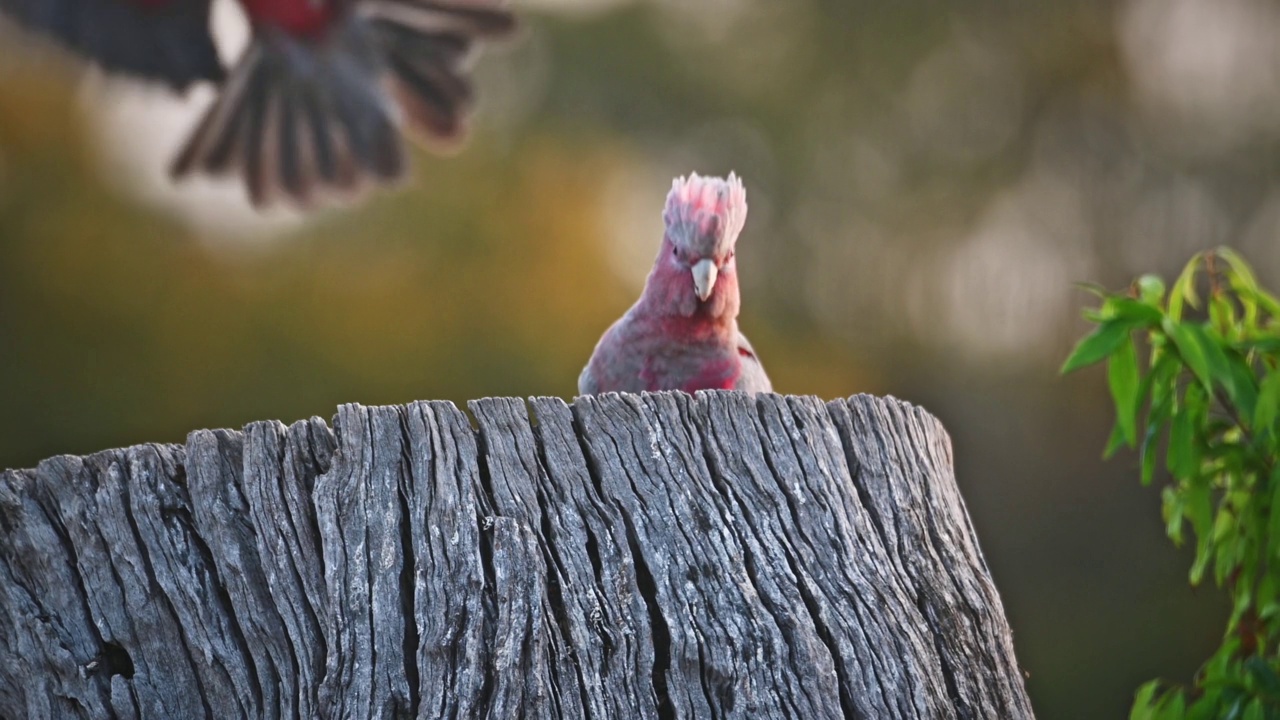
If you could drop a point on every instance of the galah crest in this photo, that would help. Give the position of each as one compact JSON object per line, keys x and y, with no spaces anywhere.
{"x":682,"y":334}
{"x":313,"y":109}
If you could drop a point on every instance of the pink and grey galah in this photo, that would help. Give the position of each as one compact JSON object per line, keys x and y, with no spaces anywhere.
{"x":682,"y":334}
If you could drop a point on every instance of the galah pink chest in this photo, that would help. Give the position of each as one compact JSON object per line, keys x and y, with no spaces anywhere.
{"x":714,"y":374}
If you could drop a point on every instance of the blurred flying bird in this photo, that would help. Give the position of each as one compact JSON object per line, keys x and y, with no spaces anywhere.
{"x":682,"y":334}
{"x":311,"y":112}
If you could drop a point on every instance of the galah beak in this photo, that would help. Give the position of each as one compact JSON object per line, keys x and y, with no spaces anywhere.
{"x":704,"y":277}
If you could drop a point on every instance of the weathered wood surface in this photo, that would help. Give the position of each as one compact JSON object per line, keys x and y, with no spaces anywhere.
{"x":646,"y":556}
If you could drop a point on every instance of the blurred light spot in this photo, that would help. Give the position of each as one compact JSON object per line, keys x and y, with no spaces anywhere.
{"x":1260,"y":239}
{"x":849,"y":150}
{"x":1212,"y":63}
{"x":754,"y":48}
{"x":1175,"y":220}
{"x":633,"y":198}
{"x":853,"y":265}
{"x":513,"y":87}
{"x":999,"y":293}
{"x":965,"y":101}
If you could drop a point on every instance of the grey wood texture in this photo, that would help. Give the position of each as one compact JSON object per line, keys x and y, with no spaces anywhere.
{"x":629,"y":556}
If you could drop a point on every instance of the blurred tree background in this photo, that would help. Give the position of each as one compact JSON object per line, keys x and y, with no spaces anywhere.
{"x":926,"y":181}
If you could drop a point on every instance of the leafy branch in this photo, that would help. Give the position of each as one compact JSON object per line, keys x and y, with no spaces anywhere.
{"x":1193,"y":376}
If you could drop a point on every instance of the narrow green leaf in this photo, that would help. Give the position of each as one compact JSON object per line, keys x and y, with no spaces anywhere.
{"x":1122,"y":375}
{"x":1139,"y":313}
{"x":1241,"y":278}
{"x":1273,"y":522}
{"x":1206,"y":707}
{"x":1243,"y":390}
{"x":1253,"y":711}
{"x":1214,"y":356}
{"x":1239,"y":274}
{"x":1196,"y":576}
{"x":1115,"y":441}
{"x":1269,"y":345}
{"x":1173,"y":705}
{"x":1183,"y":289}
{"x":1171,"y":509}
{"x":1199,"y":510}
{"x":1195,"y":347}
{"x":1142,"y":706}
{"x":1096,"y":345}
{"x":1268,"y":302}
{"x":1264,"y":675}
{"x":1264,"y":415}
{"x":1222,"y":314}
{"x":1224,"y":562}
{"x":1148,"y":452}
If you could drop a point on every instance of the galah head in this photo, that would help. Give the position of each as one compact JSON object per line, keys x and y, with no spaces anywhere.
{"x":703,"y":216}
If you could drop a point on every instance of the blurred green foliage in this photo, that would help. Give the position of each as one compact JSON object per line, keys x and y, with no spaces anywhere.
{"x":1208,"y":385}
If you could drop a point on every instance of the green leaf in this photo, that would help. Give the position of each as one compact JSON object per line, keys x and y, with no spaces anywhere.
{"x":1184,"y":289}
{"x":1273,"y":522}
{"x":1147,"y":452}
{"x":1122,"y":375}
{"x":1206,"y":707}
{"x":1253,"y":711}
{"x":1173,"y":705}
{"x":1263,"y":674}
{"x":1214,"y":355}
{"x":1151,"y":289}
{"x":1243,"y":390}
{"x":1264,"y":415}
{"x":1239,"y":274}
{"x":1171,"y":509}
{"x":1142,"y":706}
{"x":1189,"y":350}
{"x":1240,"y":277}
{"x":1199,"y":510}
{"x":1097,"y":345}
{"x":1114,"y":441}
{"x":1269,"y":345}
{"x":1222,"y":314}
{"x":1268,"y":302}
{"x":1138,"y":313}
{"x":1202,"y":353}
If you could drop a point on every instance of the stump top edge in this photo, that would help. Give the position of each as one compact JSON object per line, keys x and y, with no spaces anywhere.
{"x":701,"y":397}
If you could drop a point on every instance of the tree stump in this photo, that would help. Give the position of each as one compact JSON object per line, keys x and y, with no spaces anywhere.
{"x":629,"y":556}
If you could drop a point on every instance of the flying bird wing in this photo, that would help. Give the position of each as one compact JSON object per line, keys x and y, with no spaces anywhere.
{"x":314,"y":108}
{"x":163,"y":40}
{"x":306,"y":118}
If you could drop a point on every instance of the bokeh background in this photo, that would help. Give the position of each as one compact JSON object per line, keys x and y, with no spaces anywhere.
{"x":926,"y":181}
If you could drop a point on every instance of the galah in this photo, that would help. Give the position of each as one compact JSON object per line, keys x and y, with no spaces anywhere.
{"x":682,"y":334}
{"x":312,"y":110}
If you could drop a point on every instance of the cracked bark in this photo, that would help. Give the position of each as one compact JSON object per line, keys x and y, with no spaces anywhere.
{"x":647,"y":556}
